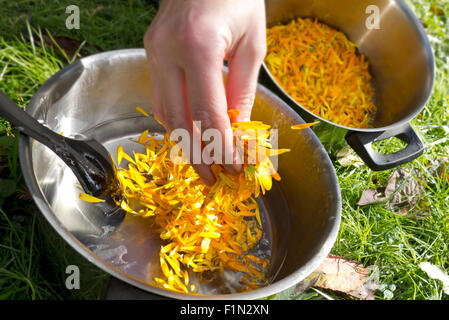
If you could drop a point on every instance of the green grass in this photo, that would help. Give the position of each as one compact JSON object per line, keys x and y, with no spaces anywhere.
{"x":24,"y":68}
{"x":109,"y":24}
{"x":26,"y":240}
{"x":376,"y":236}
{"x":371,"y":235}
{"x":395,"y":244}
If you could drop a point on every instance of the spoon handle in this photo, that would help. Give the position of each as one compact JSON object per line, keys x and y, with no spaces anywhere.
{"x":88,"y":159}
{"x":62,"y":146}
{"x":28,"y":125}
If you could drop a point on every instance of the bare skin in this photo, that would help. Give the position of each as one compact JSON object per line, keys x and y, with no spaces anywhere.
{"x":186,"y":45}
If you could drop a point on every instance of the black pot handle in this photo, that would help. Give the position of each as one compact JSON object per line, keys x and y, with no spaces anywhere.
{"x":361,"y":142}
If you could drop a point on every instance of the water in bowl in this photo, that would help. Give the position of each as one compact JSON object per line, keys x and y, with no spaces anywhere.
{"x":129,"y":244}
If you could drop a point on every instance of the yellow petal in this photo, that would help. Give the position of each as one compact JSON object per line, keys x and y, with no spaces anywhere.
{"x":277,"y":152}
{"x":265,"y":182}
{"x":142,"y":111}
{"x":125,"y":207}
{"x":143,"y":137}
{"x":89,"y":198}
{"x":174,"y":264}
{"x":119,"y":154}
{"x":301,"y":126}
{"x":205,"y":245}
{"x":124,"y":155}
{"x":164,"y":266}
{"x":255,"y":125}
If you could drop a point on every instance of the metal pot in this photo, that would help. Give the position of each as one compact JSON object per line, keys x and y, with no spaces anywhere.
{"x":401,"y":62}
{"x":96,"y":96}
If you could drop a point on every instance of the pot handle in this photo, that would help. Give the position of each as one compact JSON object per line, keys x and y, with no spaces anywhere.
{"x":361,"y":142}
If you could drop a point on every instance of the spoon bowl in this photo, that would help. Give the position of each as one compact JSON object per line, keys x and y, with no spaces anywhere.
{"x":88,"y":159}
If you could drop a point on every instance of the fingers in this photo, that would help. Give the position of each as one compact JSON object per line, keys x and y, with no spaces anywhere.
{"x":208,"y":106}
{"x":156,"y":98}
{"x":156,"y":95}
{"x":186,"y":49}
{"x":242,"y":81}
{"x":169,"y":99}
{"x":177,"y":116}
{"x":244,"y":66}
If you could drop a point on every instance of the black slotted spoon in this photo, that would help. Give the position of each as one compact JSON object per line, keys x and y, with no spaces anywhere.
{"x":88,"y":159}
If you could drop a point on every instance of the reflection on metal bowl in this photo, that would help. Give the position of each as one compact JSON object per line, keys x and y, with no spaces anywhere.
{"x":96,"y":97}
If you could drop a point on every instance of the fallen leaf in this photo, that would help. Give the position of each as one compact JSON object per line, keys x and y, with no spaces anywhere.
{"x":436,"y":10}
{"x":401,"y":194}
{"x":338,"y":274}
{"x":443,"y":170}
{"x":369,"y":196}
{"x":307,"y":283}
{"x":437,"y":273}
{"x":70,"y":46}
{"x":63,"y":45}
{"x":347,"y":157}
{"x":439,"y":168}
{"x":404,"y":186}
{"x":22,"y":193}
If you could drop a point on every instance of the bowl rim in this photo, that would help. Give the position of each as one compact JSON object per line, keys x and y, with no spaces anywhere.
{"x":25,"y":158}
{"x":430,"y":62}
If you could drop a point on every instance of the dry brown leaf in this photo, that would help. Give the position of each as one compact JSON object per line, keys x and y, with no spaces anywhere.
{"x":436,"y":10}
{"x":345,"y":276}
{"x":401,"y":194}
{"x":62,"y":44}
{"x":338,"y":274}
{"x":439,"y":167}
{"x":443,"y":169}
{"x":369,"y":196}
{"x":408,"y":184}
{"x":70,"y":46}
{"x":347,"y":157}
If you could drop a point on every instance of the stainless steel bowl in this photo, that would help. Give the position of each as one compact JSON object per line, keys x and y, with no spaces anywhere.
{"x":401,"y":63}
{"x":96,"y":96}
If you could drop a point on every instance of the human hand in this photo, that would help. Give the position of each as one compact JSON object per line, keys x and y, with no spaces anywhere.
{"x":186,"y":45}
